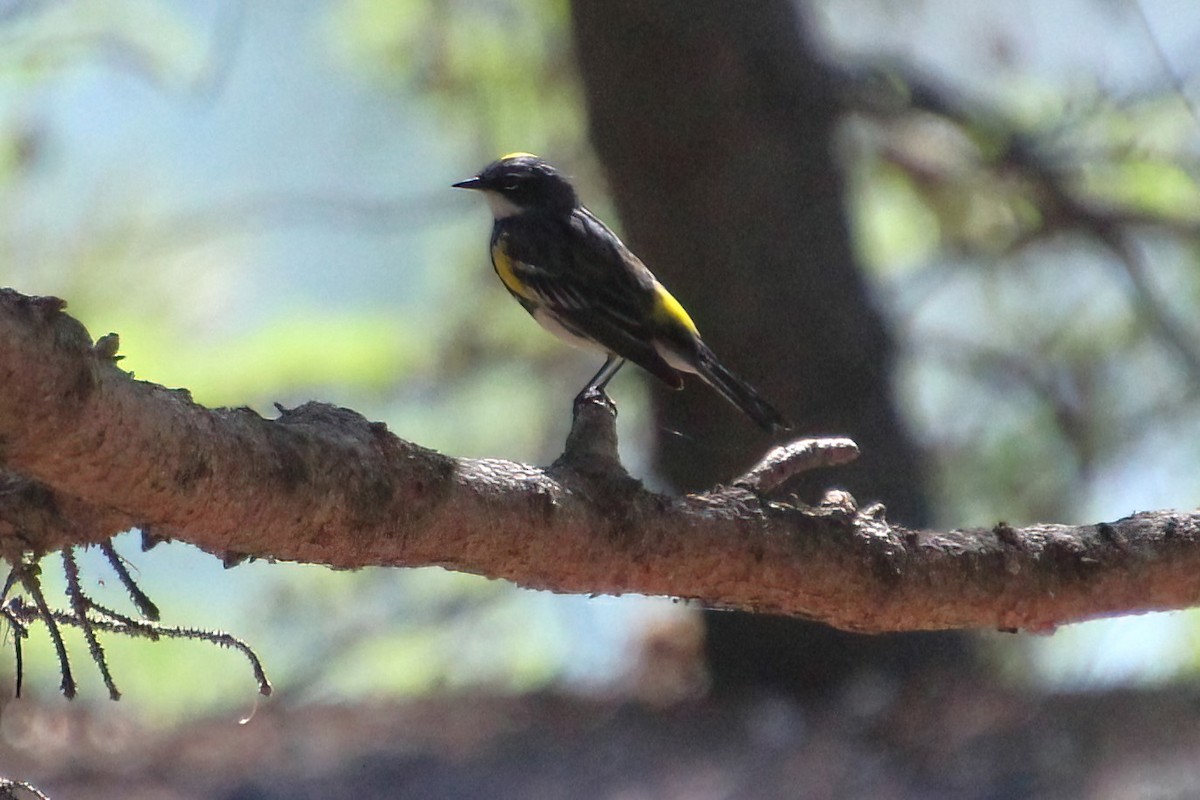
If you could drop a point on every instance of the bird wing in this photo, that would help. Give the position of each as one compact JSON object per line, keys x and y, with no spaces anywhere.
{"x":578,"y":270}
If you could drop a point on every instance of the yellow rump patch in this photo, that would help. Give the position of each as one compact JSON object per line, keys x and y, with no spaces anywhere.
{"x":507,"y":156}
{"x":503,"y":265}
{"x":668,"y":308}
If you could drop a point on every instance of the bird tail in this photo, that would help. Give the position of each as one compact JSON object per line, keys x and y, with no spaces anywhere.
{"x":738,"y":392}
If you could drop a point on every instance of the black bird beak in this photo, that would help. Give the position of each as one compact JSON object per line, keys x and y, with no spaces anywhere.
{"x":469,"y":183}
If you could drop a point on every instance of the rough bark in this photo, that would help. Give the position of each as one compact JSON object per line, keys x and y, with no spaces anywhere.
{"x":717,"y":125}
{"x":323,"y":485}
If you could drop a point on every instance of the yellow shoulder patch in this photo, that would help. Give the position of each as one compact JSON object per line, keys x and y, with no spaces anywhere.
{"x":507,"y":156}
{"x":503,"y":265}
{"x":668,"y":309}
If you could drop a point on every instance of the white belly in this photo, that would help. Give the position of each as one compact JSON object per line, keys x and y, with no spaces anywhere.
{"x":551,"y":324}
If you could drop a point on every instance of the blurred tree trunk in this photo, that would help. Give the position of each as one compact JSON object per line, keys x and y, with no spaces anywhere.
{"x":716,"y":126}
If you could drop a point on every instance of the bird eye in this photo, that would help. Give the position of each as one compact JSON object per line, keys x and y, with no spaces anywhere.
{"x":511,"y":186}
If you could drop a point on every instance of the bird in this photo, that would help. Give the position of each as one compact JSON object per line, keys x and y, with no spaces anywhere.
{"x":580,"y":282}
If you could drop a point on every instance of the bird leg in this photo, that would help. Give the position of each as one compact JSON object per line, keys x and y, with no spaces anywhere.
{"x":596,"y":385}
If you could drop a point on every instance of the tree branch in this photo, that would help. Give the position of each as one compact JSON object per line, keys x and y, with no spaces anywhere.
{"x":96,"y":451}
{"x":1062,"y":206}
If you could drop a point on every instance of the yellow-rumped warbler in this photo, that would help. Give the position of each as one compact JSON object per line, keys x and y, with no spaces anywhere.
{"x":581,"y":283}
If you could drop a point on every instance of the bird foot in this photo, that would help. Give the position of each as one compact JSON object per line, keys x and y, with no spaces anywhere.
{"x":592,"y":443}
{"x":594,"y":396}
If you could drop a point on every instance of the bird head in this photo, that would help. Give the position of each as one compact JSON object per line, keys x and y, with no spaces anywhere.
{"x":521,"y":182}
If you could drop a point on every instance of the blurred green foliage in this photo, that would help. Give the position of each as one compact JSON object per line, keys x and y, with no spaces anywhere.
{"x":298,"y":353}
{"x":502,"y":70}
{"x":462,"y":368}
{"x":1024,"y":329}
{"x":1155,"y":188}
{"x":1030,"y":371}
{"x":147,"y":37}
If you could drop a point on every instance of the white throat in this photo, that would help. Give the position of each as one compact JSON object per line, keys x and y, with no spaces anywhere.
{"x":501,"y":206}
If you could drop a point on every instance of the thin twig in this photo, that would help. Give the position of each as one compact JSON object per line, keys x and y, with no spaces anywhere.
{"x":153,"y":630}
{"x":29,"y":580}
{"x":1165,"y":61}
{"x":113,"y":615}
{"x":79,"y":605}
{"x":90,"y":616}
{"x":19,"y":666}
{"x":223,"y":639}
{"x":786,"y":461}
{"x":145,"y":605}
{"x":9,"y":582}
{"x":7,"y":786}
{"x":20,"y":631}
{"x":1148,"y":302}
{"x":1061,"y":207}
